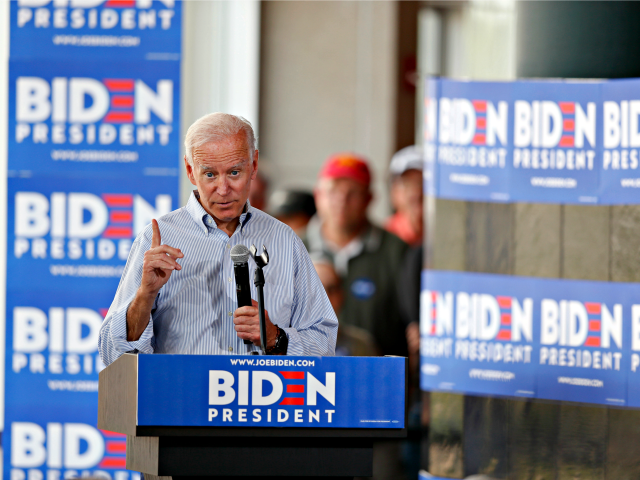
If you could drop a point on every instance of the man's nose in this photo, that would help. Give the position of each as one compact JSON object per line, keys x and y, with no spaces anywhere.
{"x":223,"y":185}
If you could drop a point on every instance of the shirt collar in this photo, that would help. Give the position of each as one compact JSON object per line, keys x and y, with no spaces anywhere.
{"x":200,"y":215}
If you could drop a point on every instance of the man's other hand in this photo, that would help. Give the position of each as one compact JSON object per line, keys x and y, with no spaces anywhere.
{"x":246,"y":321}
{"x":159,"y":262}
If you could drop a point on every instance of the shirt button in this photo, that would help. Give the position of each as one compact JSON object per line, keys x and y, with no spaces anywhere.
{"x":229,"y":279}
{"x":231,"y":349}
{"x":230,"y":313}
{"x":228,"y":245}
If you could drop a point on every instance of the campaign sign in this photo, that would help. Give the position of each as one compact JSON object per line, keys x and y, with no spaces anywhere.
{"x":52,"y":347}
{"x":533,"y":141}
{"x":73,"y":234}
{"x":62,"y":441}
{"x":554,"y":339}
{"x":473,"y":154}
{"x":620,"y":172}
{"x":556,"y":148}
{"x":96,"y":29}
{"x":282,"y":391}
{"x":85,"y":117}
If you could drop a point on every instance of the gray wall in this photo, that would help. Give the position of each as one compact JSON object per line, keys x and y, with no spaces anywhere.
{"x":328,"y":80}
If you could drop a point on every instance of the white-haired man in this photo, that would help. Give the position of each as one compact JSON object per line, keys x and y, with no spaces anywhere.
{"x":177,"y":293}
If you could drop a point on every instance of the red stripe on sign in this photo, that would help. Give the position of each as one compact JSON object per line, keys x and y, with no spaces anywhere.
{"x":504,"y":302}
{"x":592,"y":342}
{"x":121,"y":216}
{"x":118,"y":199}
{"x":293,"y":375}
{"x":479,"y":139}
{"x":566,"y":141}
{"x":122,"y":101}
{"x":594,"y":325}
{"x":108,"y":433}
{"x":504,"y":335}
{"x":479,"y":105}
{"x":593,"y":308}
{"x":433,"y":330}
{"x":505,"y":319}
{"x":116,"y":447}
{"x":567,"y":107}
{"x":103,"y":312}
{"x":568,"y":125}
{"x":118,"y":232}
{"x":295,"y":388}
{"x":481,"y":123}
{"x":292,"y":401}
{"x":434,"y":296}
{"x":434,"y":313}
{"x":120,"y":4}
{"x":119,"y":117}
{"x":113,"y":462}
{"x":118,"y":84}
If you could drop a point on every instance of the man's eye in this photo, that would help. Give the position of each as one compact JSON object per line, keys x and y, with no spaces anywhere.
{"x":209,"y":174}
{"x":235,"y":172}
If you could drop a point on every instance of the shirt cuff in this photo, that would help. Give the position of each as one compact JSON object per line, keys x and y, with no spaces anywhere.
{"x":295,"y":347}
{"x":119,"y":334}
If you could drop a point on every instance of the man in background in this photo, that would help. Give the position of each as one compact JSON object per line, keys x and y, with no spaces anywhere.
{"x":292,"y":207}
{"x":365,"y":257}
{"x":406,"y":195}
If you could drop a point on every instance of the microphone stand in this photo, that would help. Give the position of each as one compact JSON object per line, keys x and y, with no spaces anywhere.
{"x":262,"y":261}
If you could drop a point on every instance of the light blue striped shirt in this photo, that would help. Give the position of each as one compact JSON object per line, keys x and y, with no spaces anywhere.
{"x":193,"y":312}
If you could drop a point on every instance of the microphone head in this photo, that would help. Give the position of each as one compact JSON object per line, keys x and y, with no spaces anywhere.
{"x":239,"y":254}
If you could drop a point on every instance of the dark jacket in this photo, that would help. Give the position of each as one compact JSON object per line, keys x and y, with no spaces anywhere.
{"x":370,"y":283}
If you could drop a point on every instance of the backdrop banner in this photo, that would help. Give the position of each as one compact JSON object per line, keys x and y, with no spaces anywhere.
{"x":568,"y":340}
{"x":93,"y":157}
{"x":533,"y":141}
{"x":96,"y":30}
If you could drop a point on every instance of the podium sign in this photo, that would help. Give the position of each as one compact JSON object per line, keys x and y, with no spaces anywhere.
{"x":250,"y":391}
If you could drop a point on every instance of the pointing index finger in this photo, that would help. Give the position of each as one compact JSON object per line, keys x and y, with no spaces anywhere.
{"x":155,"y":237}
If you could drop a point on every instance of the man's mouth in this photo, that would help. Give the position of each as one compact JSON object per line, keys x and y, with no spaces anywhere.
{"x":224,"y":204}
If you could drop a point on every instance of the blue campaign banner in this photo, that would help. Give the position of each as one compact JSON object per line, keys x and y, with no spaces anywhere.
{"x":60,"y":441}
{"x":564,"y":340}
{"x":549,"y":141}
{"x":249,"y":391}
{"x":96,"y":29}
{"x":73,"y":234}
{"x":52,"y":347}
{"x":113,"y":118}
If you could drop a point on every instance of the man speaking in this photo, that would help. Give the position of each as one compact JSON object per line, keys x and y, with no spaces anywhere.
{"x":177,"y":293}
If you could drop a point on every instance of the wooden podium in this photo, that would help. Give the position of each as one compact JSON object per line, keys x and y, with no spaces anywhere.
{"x":183,"y":414}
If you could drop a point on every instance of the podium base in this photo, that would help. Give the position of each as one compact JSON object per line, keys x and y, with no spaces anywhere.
{"x":215,"y":458}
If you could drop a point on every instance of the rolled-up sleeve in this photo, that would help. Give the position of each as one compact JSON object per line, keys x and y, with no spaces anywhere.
{"x":314,"y":326}
{"x":112,"y":341}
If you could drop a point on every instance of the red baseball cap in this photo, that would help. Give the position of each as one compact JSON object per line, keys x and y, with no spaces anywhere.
{"x":347,"y":165}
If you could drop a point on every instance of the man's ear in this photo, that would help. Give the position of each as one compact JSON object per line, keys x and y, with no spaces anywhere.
{"x":254,"y":165}
{"x":189,"y":168}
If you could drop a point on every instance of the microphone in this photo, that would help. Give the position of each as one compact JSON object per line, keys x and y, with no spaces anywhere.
{"x":240,"y":256}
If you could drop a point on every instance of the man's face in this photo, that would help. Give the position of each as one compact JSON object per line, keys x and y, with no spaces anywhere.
{"x":223,"y":171}
{"x":407,"y":193}
{"x":342,"y":202}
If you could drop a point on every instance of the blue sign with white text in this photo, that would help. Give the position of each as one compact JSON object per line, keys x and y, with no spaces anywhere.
{"x":258,"y":391}
{"x":74,"y":233}
{"x":107,"y":118}
{"x":564,"y":340}
{"x":533,"y":141}
{"x":96,"y":29}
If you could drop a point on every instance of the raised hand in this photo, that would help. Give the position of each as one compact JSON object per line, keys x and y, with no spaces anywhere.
{"x":159,"y":262}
